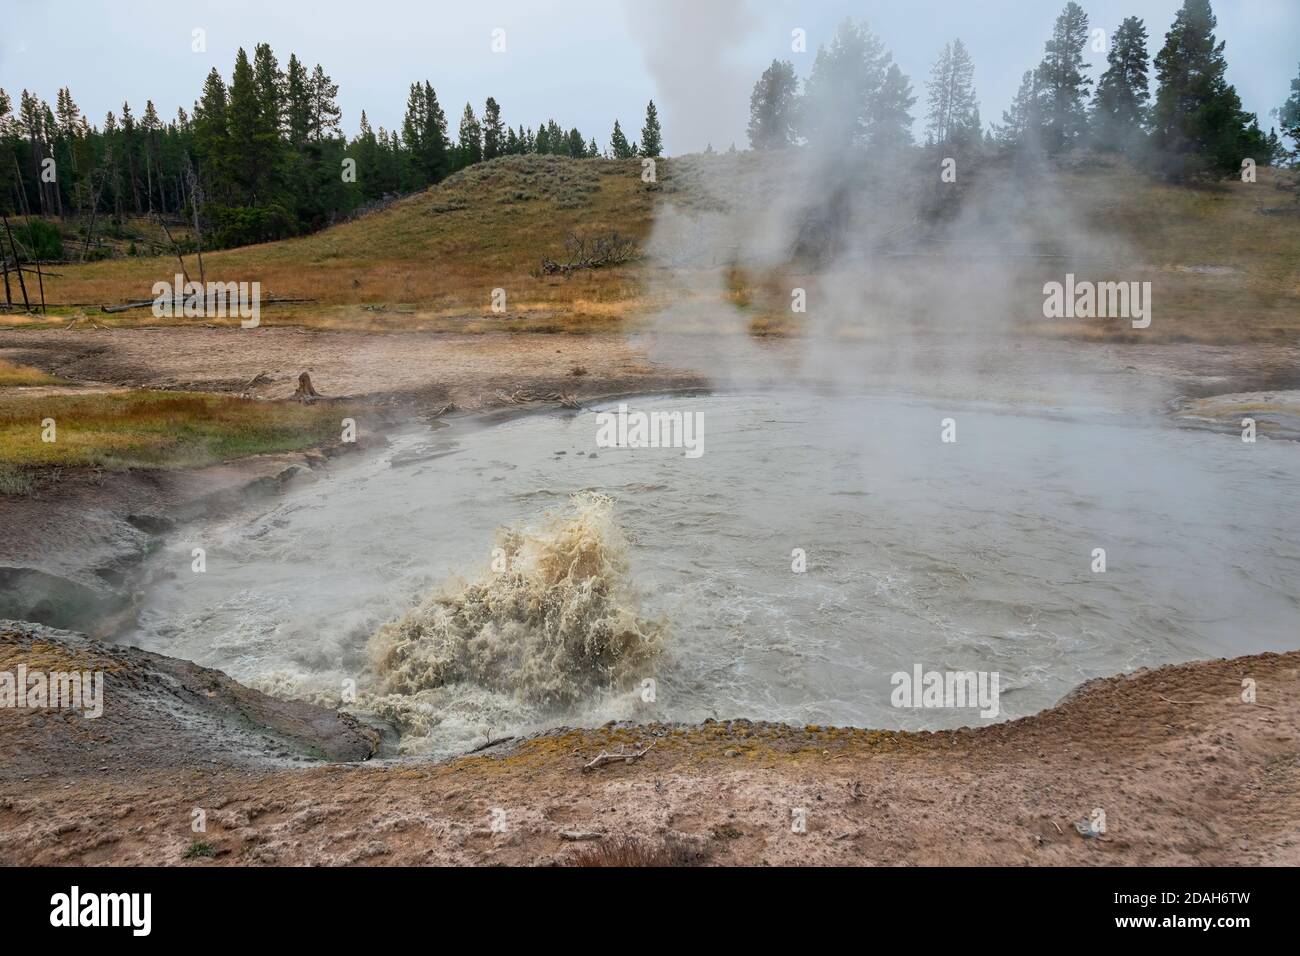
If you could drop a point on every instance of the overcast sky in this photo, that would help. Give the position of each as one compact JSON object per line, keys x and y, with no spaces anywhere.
{"x":583,"y":62}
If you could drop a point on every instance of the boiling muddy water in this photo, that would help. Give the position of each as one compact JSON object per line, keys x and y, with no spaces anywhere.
{"x":974,"y":555}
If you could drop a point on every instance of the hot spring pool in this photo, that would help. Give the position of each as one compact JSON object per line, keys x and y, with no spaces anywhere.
{"x":973,"y":555}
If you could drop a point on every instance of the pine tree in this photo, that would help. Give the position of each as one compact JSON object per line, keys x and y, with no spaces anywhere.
{"x":845,"y":76}
{"x":68,"y":146}
{"x":577,"y":146}
{"x":1120,"y":106}
{"x":212,"y":135}
{"x":652,"y":143}
{"x":557,"y":140}
{"x":953,"y":106}
{"x":413,"y":126}
{"x":325,"y":112}
{"x":297,"y":103}
{"x":365,"y":150}
{"x":841,"y":91}
{"x":1197,"y":122}
{"x":493,"y":131}
{"x":593,"y":150}
{"x":244,"y":121}
{"x":1288,"y":113}
{"x":891,"y":118}
{"x":470,"y":138}
{"x":1061,"y":80}
{"x":435,"y":146}
{"x":270,"y":86}
{"x":772,"y":107}
{"x":66,"y":111}
{"x":618,"y":144}
{"x":151,"y":126}
{"x":130,"y":149}
{"x":1022,"y":121}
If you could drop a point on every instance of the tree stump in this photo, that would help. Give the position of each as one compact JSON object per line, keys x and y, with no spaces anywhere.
{"x":305,"y":392}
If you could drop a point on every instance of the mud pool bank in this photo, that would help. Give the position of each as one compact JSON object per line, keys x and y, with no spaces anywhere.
{"x":1186,"y":772}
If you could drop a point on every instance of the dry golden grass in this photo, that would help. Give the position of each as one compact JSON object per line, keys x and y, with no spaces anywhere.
{"x":1224,"y":261}
{"x":157,"y":429}
{"x":22,"y":375}
{"x":430,"y":258}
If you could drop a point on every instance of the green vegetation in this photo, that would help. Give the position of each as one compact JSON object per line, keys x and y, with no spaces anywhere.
{"x":262,"y":158}
{"x":198,"y":850}
{"x":855,"y":97}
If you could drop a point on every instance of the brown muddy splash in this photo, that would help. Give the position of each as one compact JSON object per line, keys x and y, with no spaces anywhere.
{"x":553,"y":621}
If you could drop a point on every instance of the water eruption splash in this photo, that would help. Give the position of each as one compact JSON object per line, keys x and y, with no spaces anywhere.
{"x":552,"y":623}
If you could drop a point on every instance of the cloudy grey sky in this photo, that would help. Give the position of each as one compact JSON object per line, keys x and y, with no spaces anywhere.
{"x":583,"y":62}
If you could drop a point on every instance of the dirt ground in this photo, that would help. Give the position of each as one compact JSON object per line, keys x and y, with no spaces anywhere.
{"x":1184,"y":771}
{"x":467,"y":369}
{"x":473,"y":369}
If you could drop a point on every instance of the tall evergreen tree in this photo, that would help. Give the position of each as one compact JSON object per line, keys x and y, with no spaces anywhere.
{"x":557,"y":140}
{"x":891,"y":117}
{"x":618,"y":144}
{"x":1288,"y":115}
{"x":297,"y":103}
{"x":1120,"y":107}
{"x":470,"y":138}
{"x":130,"y":150}
{"x":151,"y":127}
{"x":652,"y":143}
{"x":953,"y":117}
{"x":845,"y":78}
{"x":325,"y":112}
{"x":270,"y":86}
{"x":212,"y":135}
{"x":772,"y":105}
{"x":577,"y":145}
{"x":1022,"y":121}
{"x":1197,"y":122}
{"x":245,"y":124}
{"x":494,"y":142}
{"x":1063,"y":86}
{"x":435,"y":145}
{"x":855,"y":94}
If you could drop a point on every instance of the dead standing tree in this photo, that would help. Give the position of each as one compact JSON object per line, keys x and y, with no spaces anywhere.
{"x":18,"y":266}
{"x":196,"y":200}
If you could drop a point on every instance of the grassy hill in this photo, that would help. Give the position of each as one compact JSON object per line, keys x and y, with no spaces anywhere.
{"x":1225,"y":261}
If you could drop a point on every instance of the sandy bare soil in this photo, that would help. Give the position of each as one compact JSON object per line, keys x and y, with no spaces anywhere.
{"x":1184,"y":770}
{"x":466,"y":369}
{"x":471,"y":369}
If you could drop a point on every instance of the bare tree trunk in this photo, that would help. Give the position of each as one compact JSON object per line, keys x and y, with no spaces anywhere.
{"x":18,"y":263}
{"x":4,"y":263}
{"x":177,"y":250}
{"x":196,"y":197}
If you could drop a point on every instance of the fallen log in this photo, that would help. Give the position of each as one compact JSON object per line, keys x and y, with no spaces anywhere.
{"x":619,"y":757}
{"x":126,"y":306}
{"x":146,"y":303}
